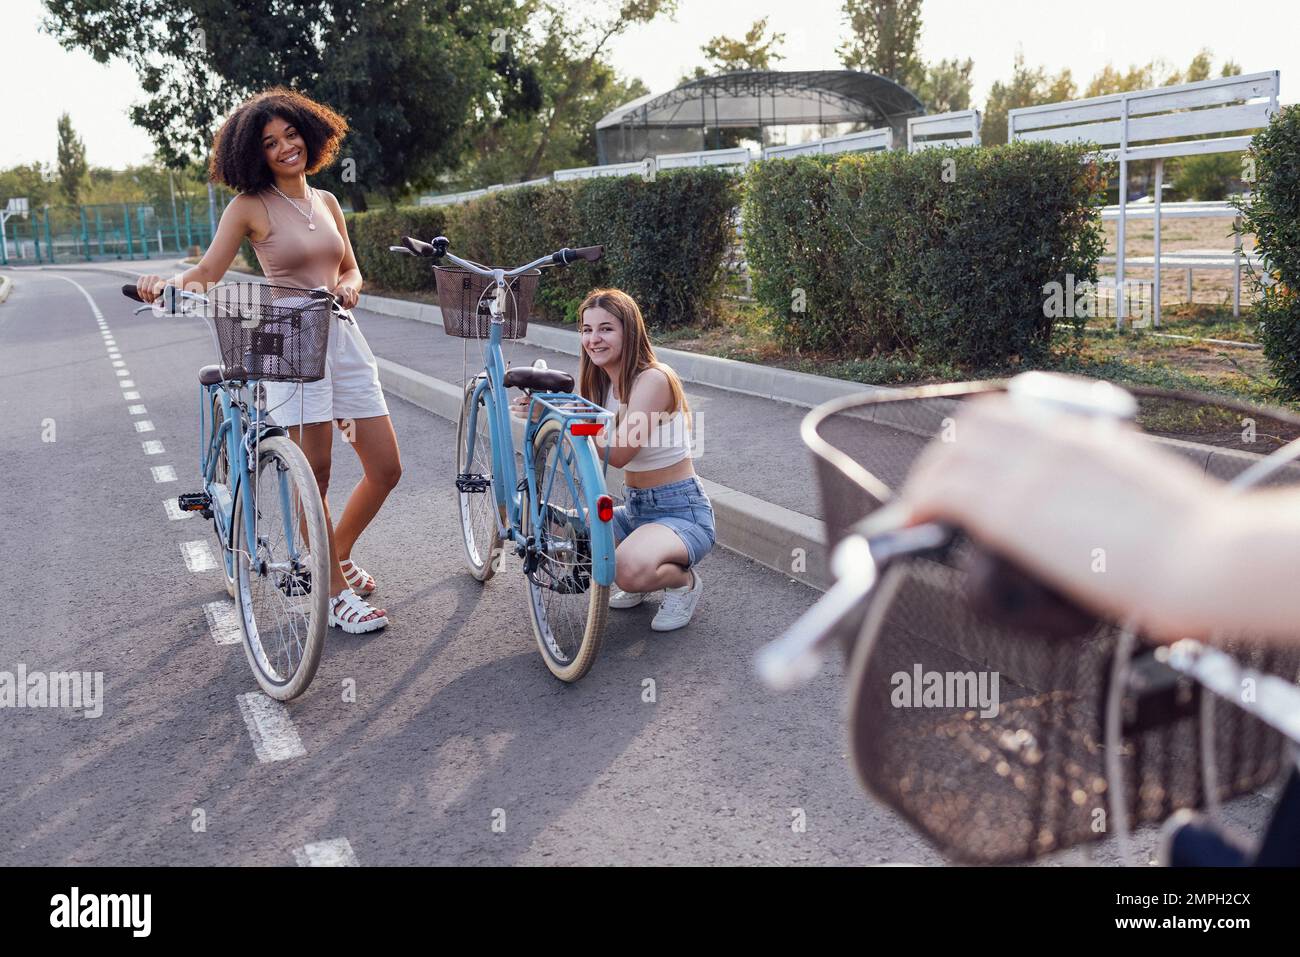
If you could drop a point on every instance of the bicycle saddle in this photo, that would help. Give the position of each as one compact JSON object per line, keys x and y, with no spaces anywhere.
{"x":538,"y":380}
{"x":213,"y":375}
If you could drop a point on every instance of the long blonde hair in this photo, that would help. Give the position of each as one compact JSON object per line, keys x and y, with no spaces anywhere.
{"x":638,"y":353}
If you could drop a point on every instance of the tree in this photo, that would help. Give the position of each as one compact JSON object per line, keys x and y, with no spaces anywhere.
{"x":581,"y":45}
{"x":412,"y":78}
{"x":882,"y":39}
{"x":755,"y":51}
{"x":72,"y":161}
{"x":946,"y":86}
{"x":35,"y":181}
{"x":1025,"y":88}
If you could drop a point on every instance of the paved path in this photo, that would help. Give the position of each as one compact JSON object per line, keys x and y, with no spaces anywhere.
{"x":455,"y":723}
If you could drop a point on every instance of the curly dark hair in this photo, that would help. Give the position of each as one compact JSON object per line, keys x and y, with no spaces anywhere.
{"x":237,"y":157}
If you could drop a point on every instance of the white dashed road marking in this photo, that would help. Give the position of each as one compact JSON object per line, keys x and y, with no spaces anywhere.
{"x":127,"y":384}
{"x":122,"y":372}
{"x":163,"y":473}
{"x":333,"y":853}
{"x":198,"y":556}
{"x":143,"y":425}
{"x":153,"y":447}
{"x":136,"y":409}
{"x":130,"y":395}
{"x":223,"y":623}
{"x":269,"y":725}
{"x":174,"y":511}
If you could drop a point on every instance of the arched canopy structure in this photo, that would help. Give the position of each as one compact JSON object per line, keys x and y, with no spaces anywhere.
{"x":695,"y":114}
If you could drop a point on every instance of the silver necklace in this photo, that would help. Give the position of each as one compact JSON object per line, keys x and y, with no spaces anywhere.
{"x":308,"y":216}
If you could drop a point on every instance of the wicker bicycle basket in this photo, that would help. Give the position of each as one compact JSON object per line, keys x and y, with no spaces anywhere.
{"x":1013,"y":777}
{"x":275,"y":333}
{"x":465,"y":307}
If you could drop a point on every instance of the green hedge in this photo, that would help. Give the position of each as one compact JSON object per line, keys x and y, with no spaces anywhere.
{"x":665,"y":240}
{"x":942,"y":254}
{"x":1273,"y":215}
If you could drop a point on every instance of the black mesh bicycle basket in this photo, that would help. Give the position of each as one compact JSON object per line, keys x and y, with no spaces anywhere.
{"x":275,"y":333}
{"x":465,"y":307}
{"x":1008,"y":777}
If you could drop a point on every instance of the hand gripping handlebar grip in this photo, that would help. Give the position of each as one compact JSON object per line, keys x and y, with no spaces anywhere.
{"x":131,"y":292}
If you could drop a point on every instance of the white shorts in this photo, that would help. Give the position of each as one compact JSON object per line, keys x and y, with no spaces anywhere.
{"x":349,"y":390}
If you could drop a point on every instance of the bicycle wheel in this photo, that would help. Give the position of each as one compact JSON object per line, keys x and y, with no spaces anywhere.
{"x":478,"y":508}
{"x":282,"y":580}
{"x":568,"y":609}
{"x":221,"y":476}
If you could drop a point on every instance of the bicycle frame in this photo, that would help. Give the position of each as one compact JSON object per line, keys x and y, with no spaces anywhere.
{"x":568,"y":409}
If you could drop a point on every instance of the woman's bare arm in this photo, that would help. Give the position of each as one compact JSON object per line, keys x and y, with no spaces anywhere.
{"x":650,"y":397}
{"x":1180,"y":554}
{"x":235,"y":224}
{"x":348,"y":289}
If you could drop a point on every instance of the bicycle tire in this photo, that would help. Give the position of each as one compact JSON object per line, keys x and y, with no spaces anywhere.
{"x":568,"y":660}
{"x":221,"y":476}
{"x":297,"y":470}
{"x":477,"y":510}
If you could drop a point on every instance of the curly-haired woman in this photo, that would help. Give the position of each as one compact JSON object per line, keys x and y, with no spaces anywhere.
{"x":264,"y":151}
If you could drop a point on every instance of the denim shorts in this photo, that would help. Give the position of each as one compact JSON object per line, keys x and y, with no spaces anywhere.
{"x":682,"y":506}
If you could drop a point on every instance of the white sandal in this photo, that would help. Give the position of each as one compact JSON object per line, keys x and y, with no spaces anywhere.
{"x":354,"y":614}
{"x":362,"y":582}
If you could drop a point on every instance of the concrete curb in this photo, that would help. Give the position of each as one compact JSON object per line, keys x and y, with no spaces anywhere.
{"x":779,"y":538}
{"x":6,"y":284}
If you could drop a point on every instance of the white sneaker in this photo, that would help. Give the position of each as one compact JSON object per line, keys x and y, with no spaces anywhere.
{"x":624,"y":599}
{"x":678,"y":605}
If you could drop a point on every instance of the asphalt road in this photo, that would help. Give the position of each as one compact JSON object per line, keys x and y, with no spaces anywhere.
{"x":459,"y":748}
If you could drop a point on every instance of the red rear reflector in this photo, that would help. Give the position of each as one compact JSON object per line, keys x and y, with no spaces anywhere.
{"x":585,"y":428}
{"x":605,"y":508}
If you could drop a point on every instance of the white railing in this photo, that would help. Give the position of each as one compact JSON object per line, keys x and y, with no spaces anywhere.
{"x":865,"y":142}
{"x":1154,"y":125}
{"x":738,"y":157}
{"x":961,"y":128}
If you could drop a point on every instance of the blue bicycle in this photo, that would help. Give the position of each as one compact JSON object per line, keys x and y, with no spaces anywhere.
{"x":558,"y":514}
{"x":258,"y":487}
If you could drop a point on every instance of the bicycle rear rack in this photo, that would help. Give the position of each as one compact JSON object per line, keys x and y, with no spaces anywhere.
{"x":578,"y":416}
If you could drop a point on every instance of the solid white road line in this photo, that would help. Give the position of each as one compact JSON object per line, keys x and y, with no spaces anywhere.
{"x":174,"y":511}
{"x":143,"y":425}
{"x":336,"y":852}
{"x":153,"y":447}
{"x":269,"y":725}
{"x":163,"y":473}
{"x":223,"y":623}
{"x":198,"y":556}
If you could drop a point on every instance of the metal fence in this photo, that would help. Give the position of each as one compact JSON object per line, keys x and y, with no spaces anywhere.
{"x":61,"y":234}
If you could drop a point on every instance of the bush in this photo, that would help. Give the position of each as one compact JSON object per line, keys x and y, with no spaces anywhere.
{"x":665,"y":241}
{"x":1273,"y":215}
{"x":941,"y":254}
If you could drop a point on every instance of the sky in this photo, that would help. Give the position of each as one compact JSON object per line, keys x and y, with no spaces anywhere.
{"x":43,"y":80}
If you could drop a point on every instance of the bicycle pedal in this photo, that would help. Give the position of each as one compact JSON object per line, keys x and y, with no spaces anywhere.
{"x":470,"y":482}
{"x":195,"y":502}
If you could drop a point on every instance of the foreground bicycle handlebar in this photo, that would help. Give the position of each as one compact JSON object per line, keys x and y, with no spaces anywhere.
{"x":1007,"y":591}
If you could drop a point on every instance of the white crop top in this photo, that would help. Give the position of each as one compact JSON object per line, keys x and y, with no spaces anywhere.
{"x":667,"y":445}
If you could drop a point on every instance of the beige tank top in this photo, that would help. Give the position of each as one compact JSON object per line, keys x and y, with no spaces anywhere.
{"x":666,"y":445}
{"x":294,"y":255}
